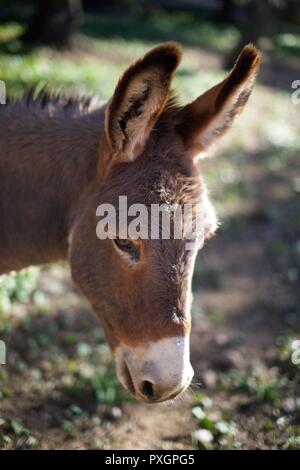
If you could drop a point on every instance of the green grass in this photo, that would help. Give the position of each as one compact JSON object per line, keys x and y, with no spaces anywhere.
{"x":17,"y":287}
{"x":158,"y":26}
{"x":260,"y":383}
{"x":287,"y":44}
{"x":214,"y":429}
{"x":138,"y":30}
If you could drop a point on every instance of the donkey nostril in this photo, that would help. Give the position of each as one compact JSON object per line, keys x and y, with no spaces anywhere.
{"x":147,"y":389}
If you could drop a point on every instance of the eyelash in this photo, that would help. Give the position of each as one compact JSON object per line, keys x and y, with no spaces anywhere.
{"x":126,"y":246}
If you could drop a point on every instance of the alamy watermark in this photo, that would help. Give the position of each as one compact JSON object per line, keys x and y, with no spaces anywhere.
{"x":157,"y":221}
{"x":296,"y":94}
{"x":2,"y":352}
{"x":2,"y":92}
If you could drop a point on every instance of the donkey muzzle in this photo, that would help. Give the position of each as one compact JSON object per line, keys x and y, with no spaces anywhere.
{"x":156,"y":371}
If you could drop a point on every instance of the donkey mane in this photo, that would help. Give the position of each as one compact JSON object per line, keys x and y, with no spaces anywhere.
{"x":49,"y":99}
{"x":53,"y":101}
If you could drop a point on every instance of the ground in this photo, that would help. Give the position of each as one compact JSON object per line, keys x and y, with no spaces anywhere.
{"x":58,"y":389}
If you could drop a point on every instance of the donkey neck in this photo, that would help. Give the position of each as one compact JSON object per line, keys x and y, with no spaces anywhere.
{"x":48,"y":159}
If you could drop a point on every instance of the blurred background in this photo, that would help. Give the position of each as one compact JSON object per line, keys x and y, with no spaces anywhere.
{"x":58,"y":388}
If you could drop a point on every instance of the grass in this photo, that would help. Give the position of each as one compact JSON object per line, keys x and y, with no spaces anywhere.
{"x":17,"y":287}
{"x":161,"y":26}
{"x":61,"y":359}
{"x":215,"y":429}
{"x":267,"y":396}
{"x":189,"y":28}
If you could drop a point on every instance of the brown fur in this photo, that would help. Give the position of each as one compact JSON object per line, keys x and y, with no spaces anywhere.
{"x":62,"y":156}
{"x":198,"y":121}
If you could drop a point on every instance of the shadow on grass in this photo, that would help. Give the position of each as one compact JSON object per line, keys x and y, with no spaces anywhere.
{"x":256,"y":256}
{"x":189,"y":29}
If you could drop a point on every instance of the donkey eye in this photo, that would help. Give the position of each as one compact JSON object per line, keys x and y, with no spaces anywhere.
{"x":128,"y":247}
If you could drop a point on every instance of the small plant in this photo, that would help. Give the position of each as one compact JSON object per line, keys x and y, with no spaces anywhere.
{"x":17,"y":286}
{"x":15,"y":432}
{"x":261,"y":383}
{"x":214,"y":430}
{"x":290,"y":350}
{"x":102,"y":386}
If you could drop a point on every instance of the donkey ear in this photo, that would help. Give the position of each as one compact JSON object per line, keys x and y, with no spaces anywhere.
{"x":201,"y":122}
{"x":138,"y":100}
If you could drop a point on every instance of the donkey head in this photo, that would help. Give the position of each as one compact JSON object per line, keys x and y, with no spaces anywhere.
{"x":141,"y":288}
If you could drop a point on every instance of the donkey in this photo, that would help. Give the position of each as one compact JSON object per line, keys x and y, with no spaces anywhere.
{"x":61,"y":156}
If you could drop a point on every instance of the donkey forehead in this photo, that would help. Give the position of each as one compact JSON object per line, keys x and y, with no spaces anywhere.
{"x":161,"y":173}
{"x":154,"y":183}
